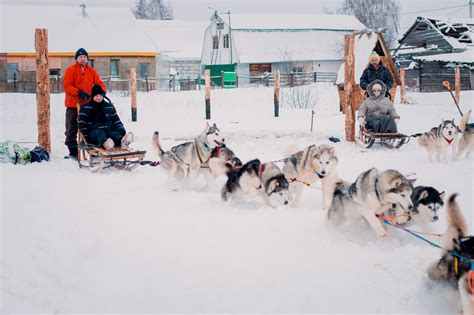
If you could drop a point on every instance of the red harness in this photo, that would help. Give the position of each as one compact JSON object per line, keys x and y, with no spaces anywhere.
{"x":447,"y":140}
{"x":216,"y":152}
{"x":261,"y":168}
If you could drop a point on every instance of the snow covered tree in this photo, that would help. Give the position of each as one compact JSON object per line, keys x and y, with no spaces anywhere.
{"x":153,"y":10}
{"x":375,"y":14}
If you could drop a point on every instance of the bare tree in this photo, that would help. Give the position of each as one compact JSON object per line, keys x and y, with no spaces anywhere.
{"x":153,"y":10}
{"x":375,"y":14}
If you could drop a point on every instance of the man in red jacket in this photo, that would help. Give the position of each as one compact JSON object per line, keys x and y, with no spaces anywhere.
{"x":78,"y":81}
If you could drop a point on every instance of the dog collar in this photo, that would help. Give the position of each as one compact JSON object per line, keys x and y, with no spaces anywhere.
{"x":261,"y":168}
{"x":447,"y":140}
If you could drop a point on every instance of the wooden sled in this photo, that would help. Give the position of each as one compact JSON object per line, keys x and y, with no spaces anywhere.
{"x":393,"y":140}
{"x":96,"y":159}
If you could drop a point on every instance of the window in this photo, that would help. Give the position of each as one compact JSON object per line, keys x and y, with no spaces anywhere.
{"x":114,"y":68}
{"x":12,"y":72}
{"x":54,"y":73}
{"x":257,"y":69}
{"x":91,"y":63}
{"x":226,"y":41}
{"x":297,"y":69}
{"x":215,"y":42}
{"x":143,"y":70}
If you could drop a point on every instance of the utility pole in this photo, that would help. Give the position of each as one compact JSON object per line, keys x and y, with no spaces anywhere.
{"x":470,"y":9}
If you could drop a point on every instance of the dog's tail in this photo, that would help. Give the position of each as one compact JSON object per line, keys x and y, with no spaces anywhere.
{"x":290,"y":150}
{"x":464,"y":121}
{"x":457,"y":226}
{"x":156,"y":144}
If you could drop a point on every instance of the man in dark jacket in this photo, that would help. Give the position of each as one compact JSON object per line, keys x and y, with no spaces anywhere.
{"x":100,"y":123}
{"x":376,"y":71}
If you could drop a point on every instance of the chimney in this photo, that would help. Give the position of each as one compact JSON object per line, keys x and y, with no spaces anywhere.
{"x":83,"y":6}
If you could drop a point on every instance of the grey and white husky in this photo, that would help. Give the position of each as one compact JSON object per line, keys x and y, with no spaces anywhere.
{"x":182,"y":162}
{"x":372,"y":193}
{"x":449,"y":268}
{"x":466,"y":141}
{"x":439,"y":139}
{"x":427,"y":202}
{"x":309,"y":165}
{"x":257,"y":179}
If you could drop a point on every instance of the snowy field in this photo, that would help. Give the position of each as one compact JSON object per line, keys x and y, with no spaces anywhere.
{"x":76,"y":242}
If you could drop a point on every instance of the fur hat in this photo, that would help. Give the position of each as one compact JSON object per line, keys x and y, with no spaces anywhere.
{"x":97,"y":89}
{"x":80,"y":52}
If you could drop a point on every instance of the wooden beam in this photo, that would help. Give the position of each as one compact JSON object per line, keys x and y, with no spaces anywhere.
{"x":349,"y":86}
{"x":43,"y":88}
{"x":133,"y":81}
{"x":276,"y":94}
{"x":402,"y":87}
{"x":457,"y":84}
{"x":207,"y":76}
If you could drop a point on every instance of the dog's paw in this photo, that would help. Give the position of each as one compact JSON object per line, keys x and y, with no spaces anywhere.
{"x":383,"y":234}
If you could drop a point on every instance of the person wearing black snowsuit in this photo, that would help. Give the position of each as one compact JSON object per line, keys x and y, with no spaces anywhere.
{"x":376,"y":71}
{"x":99,"y":121}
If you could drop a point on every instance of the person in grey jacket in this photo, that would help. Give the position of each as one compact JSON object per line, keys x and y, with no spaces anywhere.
{"x":377,"y":113}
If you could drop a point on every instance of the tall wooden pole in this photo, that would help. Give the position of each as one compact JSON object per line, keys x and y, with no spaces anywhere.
{"x":457,"y":84}
{"x":207,"y":75}
{"x":276,"y":94}
{"x":133,"y":79}
{"x":349,"y":86}
{"x":402,"y":87}
{"x":43,"y":88}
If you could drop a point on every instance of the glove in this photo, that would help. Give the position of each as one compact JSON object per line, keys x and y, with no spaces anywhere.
{"x":397,"y":120}
{"x":83,"y":95}
{"x":362,"y":121}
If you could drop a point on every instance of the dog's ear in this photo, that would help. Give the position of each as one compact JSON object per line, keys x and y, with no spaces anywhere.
{"x":397,"y":182}
{"x":214,"y":126}
{"x":412,"y":180}
{"x":423,"y":195}
{"x":207,"y":127}
{"x":272,"y":185}
{"x":332,"y":151}
{"x":441,"y":195}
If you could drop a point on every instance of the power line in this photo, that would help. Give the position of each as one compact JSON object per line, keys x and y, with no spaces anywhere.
{"x":422,"y":11}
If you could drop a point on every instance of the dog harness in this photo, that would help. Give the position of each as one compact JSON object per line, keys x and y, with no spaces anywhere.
{"x":199,"y":155}
{"x":447,"y":140}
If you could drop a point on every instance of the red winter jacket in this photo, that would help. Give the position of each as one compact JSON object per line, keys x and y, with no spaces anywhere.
{"x":77,"y":78}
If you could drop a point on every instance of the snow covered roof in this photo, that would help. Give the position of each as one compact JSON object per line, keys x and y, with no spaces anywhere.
{"x":177,"y":39}
{"x":257,"y":47}
{"x":294,"y":22}
{"x":466,"y":56}
{"x":110,"y":30}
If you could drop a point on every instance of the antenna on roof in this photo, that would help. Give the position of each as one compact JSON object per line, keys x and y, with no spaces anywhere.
{"x":84,"y":14}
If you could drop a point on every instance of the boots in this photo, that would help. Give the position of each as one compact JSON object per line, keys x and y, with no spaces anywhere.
{"x":127,"y":139}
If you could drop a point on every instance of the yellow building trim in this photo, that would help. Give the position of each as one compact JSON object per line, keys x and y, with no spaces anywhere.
{"x":91,"y":54}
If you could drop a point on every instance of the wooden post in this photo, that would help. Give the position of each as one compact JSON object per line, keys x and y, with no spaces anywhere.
{"x":207,"y":74}
{"x":222,"y":79}
{"x":276,"y":94}
{"x":457,"y":84}
{"x":133,"y":79}
{"x":349,"y":86}
{"x":43,"y":88}
{"x":402,"y":87}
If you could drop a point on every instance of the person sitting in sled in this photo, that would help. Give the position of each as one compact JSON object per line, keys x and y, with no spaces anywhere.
{"x":377,"y":113}
{"x":100,"y":123}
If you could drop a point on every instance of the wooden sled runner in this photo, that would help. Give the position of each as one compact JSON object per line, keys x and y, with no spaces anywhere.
{"x":391,"y":140}
{"x":97,"y":159}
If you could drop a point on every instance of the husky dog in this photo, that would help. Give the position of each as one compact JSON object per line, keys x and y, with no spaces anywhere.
{"x":307,"y":166}
{"x":256,"y":178}
{"x":222,"y":160}
{"x":427,"y":201}
{"x":466,"y":141}
{"x":438,"y":139}
{"x":372,"y":193}
{"x":452,"y":269}
{"x":182,"y":162}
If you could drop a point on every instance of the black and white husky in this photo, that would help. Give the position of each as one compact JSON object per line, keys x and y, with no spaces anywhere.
{"x":450,"y":268}
{"x":371,"y":194}
{"x":439,"y":139}
{"x":182,"y":162}
{"x":221,"y":161}
{"x":257,"y":179}
{"x":427,"y":202}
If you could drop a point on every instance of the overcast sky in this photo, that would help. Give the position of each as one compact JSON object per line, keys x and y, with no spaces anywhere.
{"x":198,"y":9}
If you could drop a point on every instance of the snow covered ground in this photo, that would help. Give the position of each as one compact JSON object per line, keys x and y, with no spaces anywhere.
{"x":75,"y":242}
